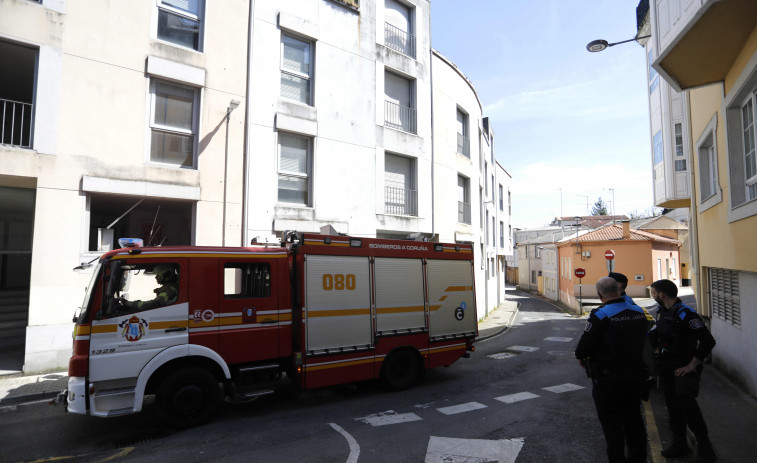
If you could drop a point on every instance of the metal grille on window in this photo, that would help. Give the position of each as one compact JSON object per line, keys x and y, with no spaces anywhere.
{"x":724,"y":295}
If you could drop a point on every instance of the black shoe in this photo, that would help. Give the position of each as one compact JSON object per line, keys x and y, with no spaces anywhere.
{"x":678,"y":449}
{"x":705,"y":452}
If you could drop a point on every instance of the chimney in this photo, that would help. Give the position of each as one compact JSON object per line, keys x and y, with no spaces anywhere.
{"x":626,"y":229}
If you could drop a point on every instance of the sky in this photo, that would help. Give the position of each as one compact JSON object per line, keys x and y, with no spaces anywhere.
{"x":570,"y":126}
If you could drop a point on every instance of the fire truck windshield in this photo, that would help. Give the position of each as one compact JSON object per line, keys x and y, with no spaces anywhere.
{"x":82,"y":313}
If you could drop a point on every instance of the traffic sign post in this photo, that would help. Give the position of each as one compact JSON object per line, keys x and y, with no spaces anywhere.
{"x":580,"y":273}
{"x":610,"y":256}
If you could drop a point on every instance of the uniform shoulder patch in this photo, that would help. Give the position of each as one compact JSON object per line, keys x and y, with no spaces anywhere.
{"x":587,"y":327}
{"x":696,"y":323}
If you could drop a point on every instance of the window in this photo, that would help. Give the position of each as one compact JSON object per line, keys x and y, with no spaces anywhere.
{"x":724,"y":295}
{"x":17,"y":94}
{"x":246,"y":280}
{"x":296,"y":69}
{"x":463,"y":200}
{"x":173,"y":123}
{"x":494,"y":231}
{"x":509,"y":203}
{"x":679,"y":139}
{"x":748,"y":148}
{"x":400,"y":195}
{"x":180,"y":22}
{"x":680,"y":165}
{"x":139,"y":289}
{"x":158,"y":222}
{"x":463,"y":139}
{"x":657,"y":147}
{"x":398,"y":28}
{"x":501,"y":199}
{"x":487,"y":228}
{"x":501,"y":234}
{"x":295,"y":163}
{"x":486,"y":184}
{"x":709,"y":188}
{"x":399,"y":107}
{"x":741,"y":137}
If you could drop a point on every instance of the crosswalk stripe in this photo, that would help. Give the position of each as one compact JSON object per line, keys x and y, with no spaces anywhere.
{"x":461,"y":408}
{"x":567,"y":387}
{"x":519,"y":397}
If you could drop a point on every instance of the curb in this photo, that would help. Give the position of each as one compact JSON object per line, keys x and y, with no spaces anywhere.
{"x":22,"y":399}
{"x":504,"y":328}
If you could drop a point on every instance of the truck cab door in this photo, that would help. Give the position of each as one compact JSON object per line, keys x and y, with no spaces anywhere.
{"x":250,"y":316}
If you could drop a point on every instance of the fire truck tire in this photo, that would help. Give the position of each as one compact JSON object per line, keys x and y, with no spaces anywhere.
{"x":188,"y":397}
{"x":401,"y":370}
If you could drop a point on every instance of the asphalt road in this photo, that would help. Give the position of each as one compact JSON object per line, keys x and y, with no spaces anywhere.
{"x":520,"y":396}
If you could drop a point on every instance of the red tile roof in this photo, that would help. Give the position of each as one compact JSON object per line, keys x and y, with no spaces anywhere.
{"x":615,"y":233}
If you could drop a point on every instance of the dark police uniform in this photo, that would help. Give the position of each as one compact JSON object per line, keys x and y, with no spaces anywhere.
{"x":612,"y":347}
{"x":680,"y":334}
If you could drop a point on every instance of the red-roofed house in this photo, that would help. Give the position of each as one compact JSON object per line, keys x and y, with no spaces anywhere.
{"x":642,"y":256}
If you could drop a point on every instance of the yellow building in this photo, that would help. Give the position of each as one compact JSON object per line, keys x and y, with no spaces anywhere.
{"x":706,"y":53}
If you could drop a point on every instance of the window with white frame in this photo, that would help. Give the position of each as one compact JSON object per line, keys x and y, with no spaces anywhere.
{"x":741,"y":137}
{"x":180,"y":22}
{"x":173,"y":123}
{"x":748,"y":148}
{"x":400,"y":194}
{"x":398,"y":28}
{"x":399,"y":104}
{"x":724,"y":295}
{"x":501,"y":199}
{"x":463,"y":139}
{"x":657,"y":147}
{"x":296,"y":69}
{"x":295,"y":166}
{"x":680,"y":164}
{"x":709,"y":187}
{"x":463,"y":200}
{"x":501,"y":234}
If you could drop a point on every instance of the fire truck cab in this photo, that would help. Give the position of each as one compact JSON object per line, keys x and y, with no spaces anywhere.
{"x":192,"y":324}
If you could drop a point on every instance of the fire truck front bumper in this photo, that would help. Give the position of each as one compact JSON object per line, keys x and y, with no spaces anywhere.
{"x":75,"y":397}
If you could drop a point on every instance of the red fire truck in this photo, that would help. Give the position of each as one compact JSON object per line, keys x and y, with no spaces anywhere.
{"x":320,"y":309}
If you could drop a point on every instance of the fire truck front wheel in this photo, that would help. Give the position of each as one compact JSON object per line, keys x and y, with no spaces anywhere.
{"x":188,"y":397}
{"x":401,"y":370}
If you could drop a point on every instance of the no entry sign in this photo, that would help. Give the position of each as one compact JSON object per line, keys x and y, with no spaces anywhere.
{"x":580,"y":273}
{"x":609,"y":254}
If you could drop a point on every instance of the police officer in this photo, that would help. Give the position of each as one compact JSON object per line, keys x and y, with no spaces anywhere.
{"x":611,"y":351}
{"x":165,"y":294}
{"x":682,"y":342}
{"x":648,"y":350}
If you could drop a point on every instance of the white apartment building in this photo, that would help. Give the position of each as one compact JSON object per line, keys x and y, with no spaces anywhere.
{"x":219,"y":123}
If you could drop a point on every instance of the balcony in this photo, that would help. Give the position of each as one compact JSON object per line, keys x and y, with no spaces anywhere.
{"x":463,"y":145}
{"x":463,"y":212}
{"x":700,"y":45}
{"x":399,"y":40}
{"x":399,"y":117}
{"x":399,"y":201}
{"x":16,"y":120}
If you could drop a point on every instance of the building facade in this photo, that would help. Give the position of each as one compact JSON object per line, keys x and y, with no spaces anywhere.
{"x":196,"y":123}
{"x":707,"y":50}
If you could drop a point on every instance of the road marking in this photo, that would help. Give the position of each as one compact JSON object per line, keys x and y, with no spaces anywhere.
{"x":512,"y":398}
{"x":354,"y":447}
{"x":450,"y":450}
{"x":655,"y":446}
{"x":567,"y":387}
{"x":461,"y":408}
{"x":558,"y":339}
{"x":522,"y":348}
{"x":501,"y":355}
{"x":389,"y":417}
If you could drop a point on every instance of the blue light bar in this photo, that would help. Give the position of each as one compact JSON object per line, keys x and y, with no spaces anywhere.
{"x":130,"y":242}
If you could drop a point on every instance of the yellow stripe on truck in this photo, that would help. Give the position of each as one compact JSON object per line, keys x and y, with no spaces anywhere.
{"x":388,"y":310}
{"x":338,"y":312}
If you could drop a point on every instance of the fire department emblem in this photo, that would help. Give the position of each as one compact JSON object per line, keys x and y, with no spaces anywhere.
{"x":249,"y":315}
{"x":133,"y":328}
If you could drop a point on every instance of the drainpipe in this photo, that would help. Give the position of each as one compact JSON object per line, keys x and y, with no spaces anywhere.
{"x":247,"y":111}
{"x":431,"y":85}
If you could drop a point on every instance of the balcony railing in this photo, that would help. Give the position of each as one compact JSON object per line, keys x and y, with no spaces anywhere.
{"x":463,"y":212}
{"x":399,"y":40}
{"x":399,"y":117}
{"x":399,"y":201}
{"x":16,"y":119}
{"x":463,"y":145}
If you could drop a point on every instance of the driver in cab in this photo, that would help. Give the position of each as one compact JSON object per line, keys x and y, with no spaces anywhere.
{"x":165,"y":294}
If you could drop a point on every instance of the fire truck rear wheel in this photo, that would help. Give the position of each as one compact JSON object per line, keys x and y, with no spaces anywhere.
{"x":401,"y":370}
{"x":188,"y":397}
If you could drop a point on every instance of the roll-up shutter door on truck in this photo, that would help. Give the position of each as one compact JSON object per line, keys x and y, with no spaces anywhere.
{"x":399,"y":295}
{"x":338,"y":304}
{"x":452,"y":302}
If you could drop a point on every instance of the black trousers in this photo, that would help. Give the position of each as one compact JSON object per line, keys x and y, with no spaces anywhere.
{"x":680,"y":399}
{"x":618,"y":405}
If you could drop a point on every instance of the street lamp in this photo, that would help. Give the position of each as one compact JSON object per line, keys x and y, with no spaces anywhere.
{"x":599,"y":45}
